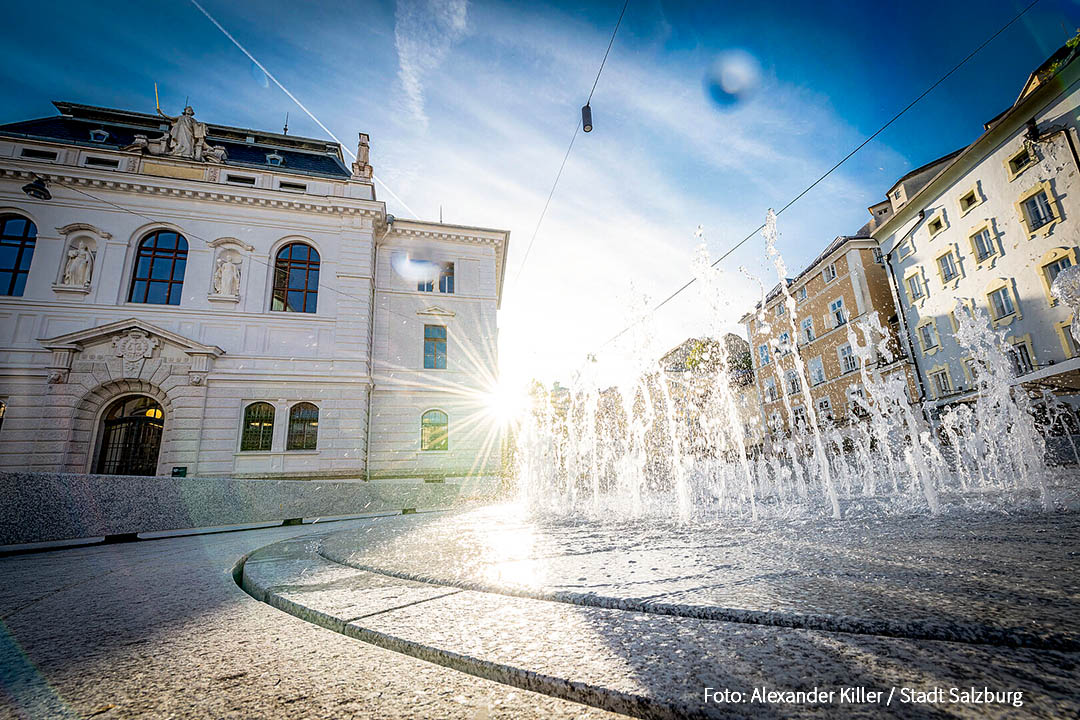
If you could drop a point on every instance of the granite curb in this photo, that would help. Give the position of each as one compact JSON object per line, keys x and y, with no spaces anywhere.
{"x":969,"y":633}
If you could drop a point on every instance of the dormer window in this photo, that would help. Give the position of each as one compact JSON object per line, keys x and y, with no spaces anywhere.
{"x":275,"y":159}
{"x":99,"y":135}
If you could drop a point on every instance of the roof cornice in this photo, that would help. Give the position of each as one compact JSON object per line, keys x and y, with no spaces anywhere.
{"x":1009,"y":123}
{"x":198,"y":190}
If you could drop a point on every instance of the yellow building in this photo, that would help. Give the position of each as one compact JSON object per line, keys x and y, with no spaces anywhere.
{"x":846,"y":282}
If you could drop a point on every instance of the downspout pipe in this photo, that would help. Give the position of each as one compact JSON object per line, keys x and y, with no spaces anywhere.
{"x":900,"y":316}
{"x":371,"y":343}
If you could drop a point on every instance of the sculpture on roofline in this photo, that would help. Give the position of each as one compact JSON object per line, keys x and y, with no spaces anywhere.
{"x":185,"y":138}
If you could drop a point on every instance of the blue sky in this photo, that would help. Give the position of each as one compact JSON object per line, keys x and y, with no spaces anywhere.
{"x":470,"y":105}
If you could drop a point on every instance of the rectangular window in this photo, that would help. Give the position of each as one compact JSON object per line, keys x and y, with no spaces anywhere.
{"x":446,"y":278}
{"x":784,"y":342}
{"x":798,"y":415}
{"x":763,"y":355}
{"x":808,"y":329}
{"x":824,"y":406}
{"x":435,"y":347}
{"x":968,"y":201}
{"x":1001,"y":303}
{"x":817,"y":371}
{"x":1019,"y":162}
{"x":292,"y":186}
{"x":794,"y":385}
{"x":780,"y":309}
{"x":915,"y":288}
{"x":1038,"y":212}
{"x":848,"y":361}
{"x":928,"y":337}
{"x":1021,"y":359}
{"x":903,"y":250}
{"x":935,"y":226}
{"x":836,"y":310}
{"x":35,"y":154}
{"x":984,"y":245}
{"x":240,"y":180}
{"x":101,"y":162}
{"x":942,"y":384}
{"x":828,"y":274}
{"x":770,"y":390}
{"x":947,"y":265}
{"x":800,"y":294}
{"x":1052,"y":269}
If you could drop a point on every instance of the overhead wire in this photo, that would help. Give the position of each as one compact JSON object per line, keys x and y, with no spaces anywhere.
{"x":566,"y":156}
{"x":821,"y":178}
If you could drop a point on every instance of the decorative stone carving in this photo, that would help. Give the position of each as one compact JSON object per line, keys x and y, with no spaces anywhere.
{"x":185,"y":138}
{"x":1066,"y":288}
{"x":227,"y":277}
{"x":56,"y":377}
{"x":225,"y":283}
{"x":361,"y":168}
{"x":79,"y":269}
{"x":134,"y":347}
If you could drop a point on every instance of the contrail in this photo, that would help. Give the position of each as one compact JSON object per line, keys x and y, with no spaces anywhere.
{"x":295,"y":100}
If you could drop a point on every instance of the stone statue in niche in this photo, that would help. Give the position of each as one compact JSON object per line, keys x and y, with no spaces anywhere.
{"x":79,"y":269}
{"x":1066,"y":288}
{"x":227,"y":276}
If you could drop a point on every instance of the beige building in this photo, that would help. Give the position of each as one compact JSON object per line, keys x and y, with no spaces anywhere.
{"x":989,"y":227}
{"x":843,"y":284}
{"x":692,"y":369}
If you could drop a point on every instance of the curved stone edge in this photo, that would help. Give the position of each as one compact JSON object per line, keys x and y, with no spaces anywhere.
{"x":968,"y":633}
{"x":583,"y":693}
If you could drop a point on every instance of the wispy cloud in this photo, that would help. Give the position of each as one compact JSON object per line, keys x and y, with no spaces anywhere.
{"x":424,"y":33}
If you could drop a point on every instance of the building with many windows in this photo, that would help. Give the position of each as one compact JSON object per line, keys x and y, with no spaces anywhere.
{"x":183,"y":297}
{"x":846,"y":282}
{"x":990,"y":227}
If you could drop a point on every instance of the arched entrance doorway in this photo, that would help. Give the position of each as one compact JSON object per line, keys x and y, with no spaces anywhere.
{"x":131,"y":437}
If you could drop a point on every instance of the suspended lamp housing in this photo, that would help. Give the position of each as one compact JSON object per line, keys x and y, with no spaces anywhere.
{"x":586,"y":118}
{"x":37,"y":189}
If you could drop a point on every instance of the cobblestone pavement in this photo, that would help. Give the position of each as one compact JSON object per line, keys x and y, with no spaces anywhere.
{"x":159,"y":629}
{"x":983,"y":577}
{"x":474,"y":591}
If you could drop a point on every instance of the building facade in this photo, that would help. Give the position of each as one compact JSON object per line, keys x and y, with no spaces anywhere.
{"x":990,"y":227}
{"x":845,"y":283}
{"x":182,"y":297}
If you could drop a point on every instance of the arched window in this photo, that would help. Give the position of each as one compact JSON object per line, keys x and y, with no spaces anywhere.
{"x":434,"y":433}
{"x":296,"y":279}
{"x":18,"y":236}
{"x":258,"y":432}
{"x":303,"y":427}
{"x":158,"y":277}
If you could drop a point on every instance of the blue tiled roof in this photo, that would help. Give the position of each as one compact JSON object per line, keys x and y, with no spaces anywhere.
{"x":76,"y":131}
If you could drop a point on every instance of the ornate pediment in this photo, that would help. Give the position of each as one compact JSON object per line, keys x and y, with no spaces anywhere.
{"x":436,"y":311}
{"x":131,"y":343}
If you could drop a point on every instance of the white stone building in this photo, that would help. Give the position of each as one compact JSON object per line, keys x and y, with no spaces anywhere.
{"x":181,"y":297}
{"x":991,"y":226}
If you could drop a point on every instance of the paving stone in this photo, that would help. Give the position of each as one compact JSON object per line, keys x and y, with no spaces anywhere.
{"x":159,"y":629}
